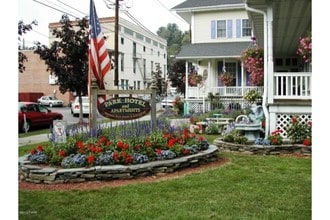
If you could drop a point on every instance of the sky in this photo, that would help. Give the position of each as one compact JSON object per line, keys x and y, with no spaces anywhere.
{"x":150,"y":13}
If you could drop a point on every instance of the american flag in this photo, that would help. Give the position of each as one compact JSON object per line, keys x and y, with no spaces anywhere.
{"x":98,"y":54}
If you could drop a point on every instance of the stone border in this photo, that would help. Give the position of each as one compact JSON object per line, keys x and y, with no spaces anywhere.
{"x":51,"y":175}
{"x":264,"y":149}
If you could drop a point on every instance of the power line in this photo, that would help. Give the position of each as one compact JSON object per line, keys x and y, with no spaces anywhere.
{"x":56,"y":9}
{"x":73,"y":8}
{"x":62,"y":8}
{"x":169,"y":11}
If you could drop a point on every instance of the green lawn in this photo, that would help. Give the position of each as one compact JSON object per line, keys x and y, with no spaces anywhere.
{"x":248,"y":187}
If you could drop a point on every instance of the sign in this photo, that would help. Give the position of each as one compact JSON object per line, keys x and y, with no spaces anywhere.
{"x":124,"y":108}
{"x":59,"y":133}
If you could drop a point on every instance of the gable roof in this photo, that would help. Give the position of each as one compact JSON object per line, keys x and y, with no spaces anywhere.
{"x":205,"y":3}
{"x":212,"y":50}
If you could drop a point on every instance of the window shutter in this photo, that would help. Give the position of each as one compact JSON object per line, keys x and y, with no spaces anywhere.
{"x":229,"y":28}
{"x":238,"y":28}
{"x":213,"y":29}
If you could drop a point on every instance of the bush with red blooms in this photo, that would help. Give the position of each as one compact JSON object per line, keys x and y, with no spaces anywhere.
{"x":275,"y":137}
{"x":299,"y":132}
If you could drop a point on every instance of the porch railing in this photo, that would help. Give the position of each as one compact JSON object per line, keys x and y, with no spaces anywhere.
{"x":291,"y":85}
{"x":286,"y":85}
{"x":198,"y":93}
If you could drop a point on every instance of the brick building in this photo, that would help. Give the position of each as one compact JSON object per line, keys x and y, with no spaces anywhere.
{"x":36,"y":79}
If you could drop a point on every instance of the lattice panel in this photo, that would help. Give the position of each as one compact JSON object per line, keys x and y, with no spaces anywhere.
{"x":196,"y":107}
{"x":283,"y":120}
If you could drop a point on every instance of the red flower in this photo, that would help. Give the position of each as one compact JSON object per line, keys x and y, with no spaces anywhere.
{"x":171,"y":142}
{"x":115,"y":156}
{"x":307,"y":142}
{"x":120,"y":144}
{"x":39,"y":148}
{"x":80,"y":144}
{"x":309,"y":123}
{"x":294,"y":120}
{"x":185,"y":151}
{"x":200,"y":138}
{"x":91,"y":159}
{"x":128,"y":159}
{"x":147,"y":143}
{"x":61,"y":153}
{"x":102,"y":139}
{"x":33,"y":151}
{"x":158,"y":151}
{"x":137,"y":147}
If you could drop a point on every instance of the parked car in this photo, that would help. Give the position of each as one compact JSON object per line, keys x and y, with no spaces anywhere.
{"x":50,"y":101}
{"x":75,"y":106}
{"x":168,"y":101}
{"x":36,"y":115}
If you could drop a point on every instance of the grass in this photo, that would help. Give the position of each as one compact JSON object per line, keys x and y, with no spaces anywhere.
{"x":249,"y":187}
{"x":34,"y":132}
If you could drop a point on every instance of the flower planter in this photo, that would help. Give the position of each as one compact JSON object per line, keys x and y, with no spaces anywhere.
{"x":52,"y":175}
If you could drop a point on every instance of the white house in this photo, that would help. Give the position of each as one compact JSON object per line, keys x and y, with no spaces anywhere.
{"x":140,"y":51}
{"x":222,"y":29}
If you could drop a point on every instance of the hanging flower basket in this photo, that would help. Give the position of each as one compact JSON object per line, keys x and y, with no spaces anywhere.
{"x":305,"y":49}
{"x":253,"y":61}
{"x":226,"y":78}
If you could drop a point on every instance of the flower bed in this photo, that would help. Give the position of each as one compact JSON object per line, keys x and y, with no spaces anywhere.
{"x":52,"y":175}
{"x":294,"y":149}
{"x":127,"y":151}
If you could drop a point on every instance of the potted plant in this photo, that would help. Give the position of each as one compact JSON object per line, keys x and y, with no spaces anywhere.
{"x":227,"y":78}
{"x":253,"y":61}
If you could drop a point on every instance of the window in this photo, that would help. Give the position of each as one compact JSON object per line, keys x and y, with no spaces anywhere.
{"x":126,"y":83}
{"x":221,"y":28}
{"x":122,"y":58}
{"x":144,"y":68}
{"x":152,"y":66}
{"x":122,"y":83}
{"x":246,"y":28}
{"x":122,"y":40}
{"x":128,"y":31}
{"x":144,"y":48}
{"x":134,"y":49}
{"x":134,"y":65}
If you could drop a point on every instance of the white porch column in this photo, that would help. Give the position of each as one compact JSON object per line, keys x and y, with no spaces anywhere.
{"x":186,"y":87}
{"x":243,"y":80}
{"x":270,"y":62}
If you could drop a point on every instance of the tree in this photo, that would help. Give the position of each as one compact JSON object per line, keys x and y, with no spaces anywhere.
{"x":176,"y":68}
{"x":68,"y":58}
{"x":22,"y":29}
{"x":160,"y":81}
{"x":177,"y":75}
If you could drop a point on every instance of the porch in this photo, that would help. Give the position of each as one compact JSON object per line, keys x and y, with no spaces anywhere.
{"x":289,"y":94}
{"x":283,"y":86}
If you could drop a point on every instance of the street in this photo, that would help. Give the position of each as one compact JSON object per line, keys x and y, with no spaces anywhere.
{"x":68,"y":117}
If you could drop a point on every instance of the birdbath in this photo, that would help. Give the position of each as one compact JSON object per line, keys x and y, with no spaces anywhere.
{"x":250,"y":125}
